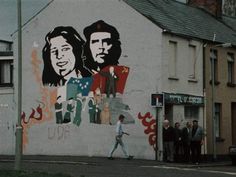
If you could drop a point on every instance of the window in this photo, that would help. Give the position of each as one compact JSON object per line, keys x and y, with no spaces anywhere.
{"x":217,"y":119}
{"x":172,"y":59}
{"x":214,"y":64}
{"x":192,"y":61}
{"x":191,"y":112}
{"x":230,"y":59}
{"x":5,"y":46}
{"x":6,"y":73}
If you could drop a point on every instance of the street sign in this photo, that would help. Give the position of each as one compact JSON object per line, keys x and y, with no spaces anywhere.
{"x":157,"y":100}
{"x":185,"y":99}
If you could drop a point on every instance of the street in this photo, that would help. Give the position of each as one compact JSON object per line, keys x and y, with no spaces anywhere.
{"x":102,"y":167}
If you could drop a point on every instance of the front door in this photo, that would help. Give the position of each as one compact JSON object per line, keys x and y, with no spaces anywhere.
{"x":233,"y":118}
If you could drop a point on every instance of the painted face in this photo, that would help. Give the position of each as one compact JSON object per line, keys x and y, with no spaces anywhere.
{"x":100,"y":44}
{"x":62,"y":56}
{"x":111,"y":69}
{"x":59,"y":99}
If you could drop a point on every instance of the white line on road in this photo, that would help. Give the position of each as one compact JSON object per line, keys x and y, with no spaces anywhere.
{"x":190,"y":169}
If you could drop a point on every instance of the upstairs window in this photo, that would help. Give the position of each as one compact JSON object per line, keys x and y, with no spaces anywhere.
{"x":192,"y":62}
{"x":172,"y":59}
{"x":214,"y":66}
{"x":230,"y":59}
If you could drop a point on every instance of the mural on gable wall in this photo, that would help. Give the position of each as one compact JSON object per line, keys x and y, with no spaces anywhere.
{"x":81,"y":77}
{"x":86,"y":74}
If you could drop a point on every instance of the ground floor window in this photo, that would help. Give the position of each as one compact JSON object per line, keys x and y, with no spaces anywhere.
{"x":191,"y":112}
{"x":217,"y":118}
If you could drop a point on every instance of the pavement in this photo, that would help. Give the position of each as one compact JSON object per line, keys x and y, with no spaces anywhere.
{"x":84,"y":160}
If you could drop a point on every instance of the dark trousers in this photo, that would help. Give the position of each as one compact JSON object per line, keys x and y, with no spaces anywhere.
{"x":196,"y":151}
{"x":186,"y":148}
{"x":178,"y":151}
{"x":168,"y":151}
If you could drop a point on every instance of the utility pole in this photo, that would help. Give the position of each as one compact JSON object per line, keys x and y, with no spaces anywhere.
{"x":18,"y":145}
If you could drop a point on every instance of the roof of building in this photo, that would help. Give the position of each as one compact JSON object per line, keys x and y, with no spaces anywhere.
{"x":230,"y":21}
{"x":183,"y":20}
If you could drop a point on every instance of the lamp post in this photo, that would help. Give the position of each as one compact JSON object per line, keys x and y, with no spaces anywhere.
{"x":18,"y":145}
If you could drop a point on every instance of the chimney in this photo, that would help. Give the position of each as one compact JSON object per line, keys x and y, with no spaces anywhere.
{"x":214,"y":7}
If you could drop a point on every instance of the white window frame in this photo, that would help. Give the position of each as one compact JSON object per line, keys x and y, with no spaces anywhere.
{"x":231,"y":69}
{"x":10,"y":59}
{"x":173,"y":59}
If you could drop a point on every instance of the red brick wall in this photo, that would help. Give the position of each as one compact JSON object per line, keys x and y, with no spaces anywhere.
{"x":212,"y":6}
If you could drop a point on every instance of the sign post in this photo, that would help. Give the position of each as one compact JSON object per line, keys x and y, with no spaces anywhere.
{"x":157,"y":101}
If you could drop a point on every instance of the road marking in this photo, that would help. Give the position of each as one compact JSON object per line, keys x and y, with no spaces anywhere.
{"x":191,"y":169}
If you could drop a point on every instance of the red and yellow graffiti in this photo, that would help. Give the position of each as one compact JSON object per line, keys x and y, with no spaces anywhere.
{"x":48,"y":99}
{"x":32,"y":115}
{"x":150,"y":123}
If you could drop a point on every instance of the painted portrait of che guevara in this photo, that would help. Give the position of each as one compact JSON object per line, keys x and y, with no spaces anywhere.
{"x":102,"y":47}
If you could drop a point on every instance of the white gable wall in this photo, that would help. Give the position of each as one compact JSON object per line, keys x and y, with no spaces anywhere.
{"x":141,"y":43}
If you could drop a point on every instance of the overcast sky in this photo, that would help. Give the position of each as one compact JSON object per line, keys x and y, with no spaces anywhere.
{"x":8,"y":14}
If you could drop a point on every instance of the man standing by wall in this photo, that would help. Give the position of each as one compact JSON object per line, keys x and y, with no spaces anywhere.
{"x":178,"y":142}
{"x":168,"y":141}
{"x":186,"y":140}
{"x":196,"y":142}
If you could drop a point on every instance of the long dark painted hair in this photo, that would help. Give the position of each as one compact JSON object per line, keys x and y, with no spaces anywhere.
{"x":49,"y":76}
{"x":115,"y":51}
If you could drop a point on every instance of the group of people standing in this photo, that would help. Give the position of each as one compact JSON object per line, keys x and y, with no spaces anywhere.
{"x":182,"y":145}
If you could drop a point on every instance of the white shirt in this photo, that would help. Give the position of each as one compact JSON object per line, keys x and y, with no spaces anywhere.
{"x":119,"y":129}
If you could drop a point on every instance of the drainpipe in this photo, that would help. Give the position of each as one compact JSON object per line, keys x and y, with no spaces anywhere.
{"x":204,"y":95}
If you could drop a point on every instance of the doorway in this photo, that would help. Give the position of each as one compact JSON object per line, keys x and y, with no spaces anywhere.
{"x":169,"y":113}
{"x":233,"y":120}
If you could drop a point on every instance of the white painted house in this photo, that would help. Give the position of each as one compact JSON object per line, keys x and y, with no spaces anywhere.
{"x":6,"y":98}
{"x":152,"y":60}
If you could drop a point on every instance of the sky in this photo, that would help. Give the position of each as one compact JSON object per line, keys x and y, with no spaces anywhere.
{"x":8,"y":15}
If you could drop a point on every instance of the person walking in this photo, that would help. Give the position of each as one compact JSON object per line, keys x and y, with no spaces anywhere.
{"x":118,"y":139}
{"x":186,"y":140}
{"x":196,"y":142}
{"x":168,"y":141}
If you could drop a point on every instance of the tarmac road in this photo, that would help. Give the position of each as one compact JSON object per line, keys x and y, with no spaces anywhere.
{"x":102,"y":167}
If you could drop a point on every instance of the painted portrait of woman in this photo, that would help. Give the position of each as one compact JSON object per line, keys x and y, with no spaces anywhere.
{"x":63,"y":56}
